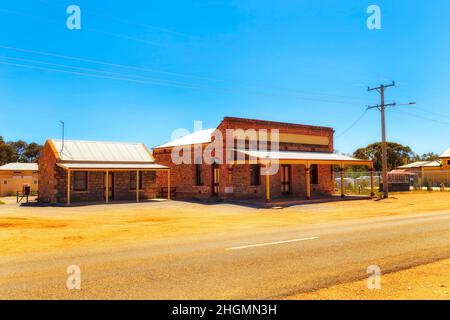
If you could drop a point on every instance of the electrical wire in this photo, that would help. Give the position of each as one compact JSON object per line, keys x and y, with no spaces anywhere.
{"x":423,"y":118}
{"x":352,"y":125}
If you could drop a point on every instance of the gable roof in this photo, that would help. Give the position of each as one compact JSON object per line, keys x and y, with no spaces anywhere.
{"x":18,"y":166}
{"x":198,"y":137}
{"x":445,"y":154}
{"x":100,"y":151}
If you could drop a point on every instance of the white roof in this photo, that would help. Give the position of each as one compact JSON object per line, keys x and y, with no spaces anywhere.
{"x":18,"y":166}
{"x":117,"y":166}
{"x":99,"y":151}
{"x":297,"y":155}
{"x":198,"y":137}
{"x":445,"y":154}
{"x":419,"y":164}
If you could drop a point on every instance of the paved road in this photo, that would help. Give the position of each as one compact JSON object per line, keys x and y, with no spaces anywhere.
{"x":251,"y":265}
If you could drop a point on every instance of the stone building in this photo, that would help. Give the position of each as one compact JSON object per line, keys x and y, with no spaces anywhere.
{"x":304,"y":161}
{"x":92,"y":171}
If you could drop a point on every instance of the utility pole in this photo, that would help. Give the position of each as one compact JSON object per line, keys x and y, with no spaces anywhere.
{"x":382,"y":107}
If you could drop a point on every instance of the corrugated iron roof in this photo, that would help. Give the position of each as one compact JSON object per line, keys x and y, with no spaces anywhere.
{"x":18,"y":166}
{"x":198,"y":137}
{"x":99,"y":151}
{"x":420,"y":164}
{"x":445,"y":154}
{"x":297,"y":155}
{"x":117,"y":166}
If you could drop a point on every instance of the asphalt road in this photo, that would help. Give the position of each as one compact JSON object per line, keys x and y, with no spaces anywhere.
{"x":251,"y":265}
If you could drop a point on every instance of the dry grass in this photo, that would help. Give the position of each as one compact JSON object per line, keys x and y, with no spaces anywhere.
{"x":41,"y":229}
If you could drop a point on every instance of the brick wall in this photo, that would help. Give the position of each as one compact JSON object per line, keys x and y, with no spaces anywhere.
{"x":183,"y":176}
{"x":47,"y":181}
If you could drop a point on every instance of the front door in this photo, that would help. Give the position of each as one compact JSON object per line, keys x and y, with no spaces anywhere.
{"x":286,"y":179}
{"x":215,"y":179}
{"x":110,"y":186}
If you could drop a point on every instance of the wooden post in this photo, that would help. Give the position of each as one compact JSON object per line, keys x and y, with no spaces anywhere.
{"x":168,"y":184}
{"x":68,"y":187}
{"x":308,"y":181}
{"x":372,"y":193}
{"x":267,"y":186}
{"x":137,"y":185}
{"x":107,"y":186}
{"x":341,"y":171}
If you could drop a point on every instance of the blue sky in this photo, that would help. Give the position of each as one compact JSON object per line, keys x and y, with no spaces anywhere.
{"x":296,"y":61}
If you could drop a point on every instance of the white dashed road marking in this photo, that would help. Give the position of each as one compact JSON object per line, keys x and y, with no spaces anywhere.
{"x":272,"y":243}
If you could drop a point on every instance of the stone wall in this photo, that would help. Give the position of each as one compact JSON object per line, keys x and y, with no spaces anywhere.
{"x":184,"y":179}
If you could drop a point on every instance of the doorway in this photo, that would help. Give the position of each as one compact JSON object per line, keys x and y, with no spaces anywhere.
{"x":286,"y":179}
{"x":215,"y":179}
{"x":110,"y":186}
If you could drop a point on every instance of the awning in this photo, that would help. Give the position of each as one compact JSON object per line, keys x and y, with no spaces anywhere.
{"x":300,"y":157}
{"x":112,"y":166}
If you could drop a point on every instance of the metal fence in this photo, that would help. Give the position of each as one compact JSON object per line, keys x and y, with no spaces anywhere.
{"x":358,"y":183}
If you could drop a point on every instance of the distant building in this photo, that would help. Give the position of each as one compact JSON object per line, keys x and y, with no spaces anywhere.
{"x":15,"y":176}
{"x":433,"y":173}
{"x":92,"y":171}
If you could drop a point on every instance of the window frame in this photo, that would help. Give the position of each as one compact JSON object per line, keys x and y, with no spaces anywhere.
{"x":133,"y":180}
{"x":199,"y":175}
{"x":255,"y":180}
{"x":314,"y":174}
{"x":75,"y":178}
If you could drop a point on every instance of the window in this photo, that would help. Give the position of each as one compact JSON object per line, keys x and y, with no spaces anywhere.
{"x":133,"y":180}
{"x":198,"y":175}
{"x":80,"y":181}
{"x":314,"y":174}
{"x":448,"y":162}
{"x":5,"y":182}
{"x":152,"y":177}
{"x":255,"y":174}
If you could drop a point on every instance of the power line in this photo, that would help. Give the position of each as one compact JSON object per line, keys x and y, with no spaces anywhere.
{"x":125,"y":37}
{"x":92,"y":70}
{"x":352,"y":125}
{"x":432,"y":112}
{"x":136,"y":68}
{"x":424,"y":118}
{"x":129,"y":78}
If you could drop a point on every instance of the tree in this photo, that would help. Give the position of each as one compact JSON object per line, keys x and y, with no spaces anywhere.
{"x":18,"y":151}
{"x":6,"y":152}
{"x":428,"y":157}
{"x":397,"y":154}
{"x":32,"y":152}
